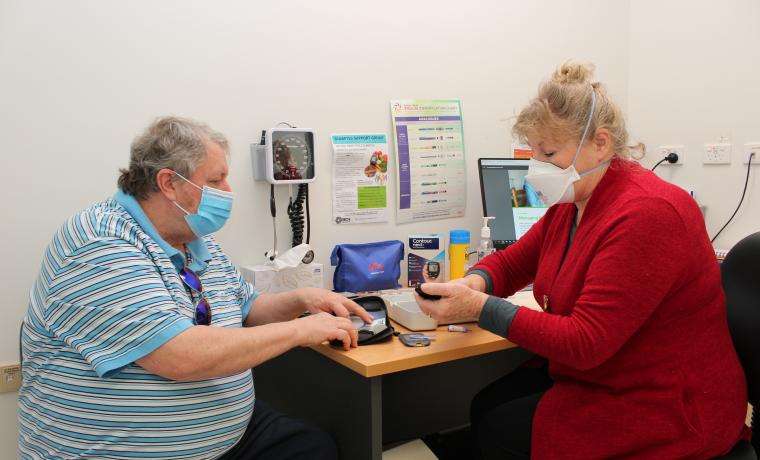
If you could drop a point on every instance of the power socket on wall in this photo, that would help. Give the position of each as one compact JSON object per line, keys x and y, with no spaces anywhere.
{"x":665,"y":150}
{"x":10,"y":377}
{"x":752,"y":147}
{"x":717,"y":154}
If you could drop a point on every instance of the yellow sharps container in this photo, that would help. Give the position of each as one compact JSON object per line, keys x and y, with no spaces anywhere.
{"x":459,"y":246}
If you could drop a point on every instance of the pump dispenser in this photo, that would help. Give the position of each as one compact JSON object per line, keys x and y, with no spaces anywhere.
{"x":486,"y":245}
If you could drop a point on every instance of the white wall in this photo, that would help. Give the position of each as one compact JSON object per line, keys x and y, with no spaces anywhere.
{"x":80,"y":79}
{"x":694,"y":77}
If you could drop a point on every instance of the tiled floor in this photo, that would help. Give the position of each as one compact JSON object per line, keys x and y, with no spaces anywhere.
{"x":413,"y":450}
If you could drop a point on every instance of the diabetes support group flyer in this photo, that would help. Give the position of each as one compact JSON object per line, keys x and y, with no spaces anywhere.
{"x":360,"y":178}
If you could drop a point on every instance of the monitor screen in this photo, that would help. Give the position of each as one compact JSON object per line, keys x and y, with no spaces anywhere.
{"x":507,"y":198}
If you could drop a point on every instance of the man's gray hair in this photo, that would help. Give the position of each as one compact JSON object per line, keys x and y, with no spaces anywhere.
{"x":170,"y":142}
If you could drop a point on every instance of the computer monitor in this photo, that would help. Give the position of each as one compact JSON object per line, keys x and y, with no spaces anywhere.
{"x":506,"y":197}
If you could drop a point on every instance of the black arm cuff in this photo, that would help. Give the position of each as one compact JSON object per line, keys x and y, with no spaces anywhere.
{"x":483,"y":274}
{"x":497,"y":315}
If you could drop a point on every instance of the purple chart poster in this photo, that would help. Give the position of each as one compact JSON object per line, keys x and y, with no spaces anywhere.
{"x":429,"y":140}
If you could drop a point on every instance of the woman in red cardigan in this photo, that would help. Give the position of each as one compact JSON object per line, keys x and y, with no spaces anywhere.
{"x":637,"y":361}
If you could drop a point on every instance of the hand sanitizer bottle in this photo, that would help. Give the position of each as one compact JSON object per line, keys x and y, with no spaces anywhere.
{"x":486,"y":245}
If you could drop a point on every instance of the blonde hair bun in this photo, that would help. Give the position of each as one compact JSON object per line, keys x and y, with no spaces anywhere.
{"x":571,"y":73}
{"x":562,"y":108}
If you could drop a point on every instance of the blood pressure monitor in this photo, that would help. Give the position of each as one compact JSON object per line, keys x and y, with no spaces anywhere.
{"x":285,"y":156}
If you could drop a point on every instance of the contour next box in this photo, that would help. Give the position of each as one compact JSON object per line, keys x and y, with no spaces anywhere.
{"x":424,"y":248}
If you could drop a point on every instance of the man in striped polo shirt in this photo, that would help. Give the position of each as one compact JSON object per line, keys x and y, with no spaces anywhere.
{"x":140,"y":334}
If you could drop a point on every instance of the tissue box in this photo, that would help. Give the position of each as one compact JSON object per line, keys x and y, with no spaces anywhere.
{"x":424,"y":248}
{"x":266,"y":279}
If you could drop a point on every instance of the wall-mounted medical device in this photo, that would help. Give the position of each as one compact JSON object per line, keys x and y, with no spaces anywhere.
{"x":284,"y":156}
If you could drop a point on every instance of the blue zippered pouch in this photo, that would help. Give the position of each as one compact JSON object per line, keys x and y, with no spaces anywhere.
{"x":367,"y":266}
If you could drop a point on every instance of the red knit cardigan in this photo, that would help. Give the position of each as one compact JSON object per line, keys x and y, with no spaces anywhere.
{"x":635,"y":333}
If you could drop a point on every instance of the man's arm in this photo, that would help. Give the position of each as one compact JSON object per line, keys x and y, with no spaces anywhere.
{"x":273,"y":308}
{"x":203,"y":352}
{"x":284,"y":306}
{"x":146,"y":329}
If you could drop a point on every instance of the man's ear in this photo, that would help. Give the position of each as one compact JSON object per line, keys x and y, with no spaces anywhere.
{"x":602,"y":144}
{"x":166,"y":183}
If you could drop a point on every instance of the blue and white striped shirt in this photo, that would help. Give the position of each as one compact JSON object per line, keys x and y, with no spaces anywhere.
{"x":109,"y":293}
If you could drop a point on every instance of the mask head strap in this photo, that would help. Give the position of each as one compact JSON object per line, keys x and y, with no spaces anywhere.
{"x":181,"y":208}
{"x":189,"y":182}
{"x":588,"y":124}
{"x":585,"y":132}
{"x":193,"y":184}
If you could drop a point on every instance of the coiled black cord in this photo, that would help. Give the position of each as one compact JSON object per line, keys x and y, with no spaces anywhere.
{"x":296,"y":214}
{"x":308,"y":216}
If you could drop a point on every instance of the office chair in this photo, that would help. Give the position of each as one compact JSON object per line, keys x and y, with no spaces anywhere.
{"x":740,"y":272}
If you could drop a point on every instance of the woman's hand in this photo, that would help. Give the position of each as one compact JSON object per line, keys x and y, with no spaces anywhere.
{"x":458,"y":302}
{"x":475,"y":282}
{"x":317,"y":300}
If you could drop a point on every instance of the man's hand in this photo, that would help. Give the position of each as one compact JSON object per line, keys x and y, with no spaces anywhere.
{"x":321,"y":327}
{"x":458,"y":302}
{"x":316,"y":300}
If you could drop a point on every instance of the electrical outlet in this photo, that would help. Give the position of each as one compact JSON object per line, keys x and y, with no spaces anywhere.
{"x":717,"y":154}
{"x":10,"y":377}
{"x":664,"y":150}
{"x":752,"y":147}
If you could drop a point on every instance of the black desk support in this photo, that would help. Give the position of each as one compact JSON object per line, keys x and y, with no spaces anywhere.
{"x":364,"y":413}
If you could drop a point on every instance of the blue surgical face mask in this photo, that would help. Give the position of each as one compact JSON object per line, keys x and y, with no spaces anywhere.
{"x":213,"y":210}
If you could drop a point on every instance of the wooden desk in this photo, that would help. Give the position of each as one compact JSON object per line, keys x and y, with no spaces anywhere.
{"x":386,"y":393}
{"x":393,"y":356}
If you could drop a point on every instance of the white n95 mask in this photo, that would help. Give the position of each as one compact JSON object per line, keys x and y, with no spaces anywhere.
{"x":553,"y":184}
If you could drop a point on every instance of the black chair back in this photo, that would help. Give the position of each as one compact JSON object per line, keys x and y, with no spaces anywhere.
{"x":740,"y":272}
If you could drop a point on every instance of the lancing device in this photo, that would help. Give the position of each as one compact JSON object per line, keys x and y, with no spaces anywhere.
{"x":425,"y":295}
